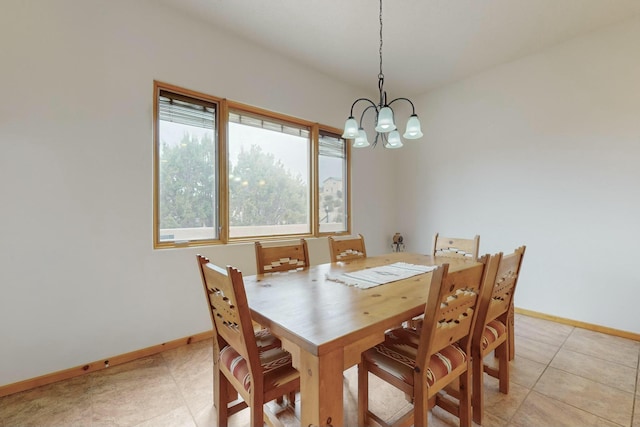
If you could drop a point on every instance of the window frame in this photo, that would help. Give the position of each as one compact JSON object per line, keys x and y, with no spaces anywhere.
{"x":284,"y":119}
{"x":334,"y":132}
{"x":222,"y":172}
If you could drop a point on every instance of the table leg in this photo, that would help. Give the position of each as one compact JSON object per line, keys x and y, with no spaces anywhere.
{"x":321,"y":389}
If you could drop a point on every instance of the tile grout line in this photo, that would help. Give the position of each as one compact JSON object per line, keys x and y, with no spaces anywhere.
{"x":573,"y":328}
{"x":634,"y":393}
{"x":566,"y":403}
{"x":184,"y":399}
{"x":581,"y":409}
{"x":596,"y":380}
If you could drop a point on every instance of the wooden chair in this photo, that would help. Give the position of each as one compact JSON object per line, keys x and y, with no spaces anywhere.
{"x":345,"y":248}
{"x":493,"y":328}
{"x":455,"y":246}
{"x":279,"y":256}
{"x":423,"y":362}
{"x":451,"y":247}
{"x":251,"y":364}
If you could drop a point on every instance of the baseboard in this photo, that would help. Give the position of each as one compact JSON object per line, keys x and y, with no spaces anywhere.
{"x":578,"y":324}
{"x":100,"y":364}
{"x":128,"y":357}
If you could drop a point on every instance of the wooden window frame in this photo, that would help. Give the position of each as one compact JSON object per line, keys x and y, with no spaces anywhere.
{"x":222,"y":173}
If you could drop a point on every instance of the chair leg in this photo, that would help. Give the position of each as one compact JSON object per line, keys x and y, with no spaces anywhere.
{"x":465,"y":398}
{"x":477,"y":394}
{"x":257,"y":411}
{"x":221,"y":398}
{"x":421,"y":406}
{"x":363,"y":394}
{"x":510,"y":331}
{"x":503,"y":367}
{"x":232,"y":393}
{"x":291,"y":399}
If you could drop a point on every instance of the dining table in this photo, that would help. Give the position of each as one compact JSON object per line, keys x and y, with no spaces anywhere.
{"x":326,"y":320}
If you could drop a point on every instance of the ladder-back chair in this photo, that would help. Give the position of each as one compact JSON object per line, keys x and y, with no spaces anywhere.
{"x":455,"y":246}
{"x":493,"y":327}
{"x":451,"y":247}
{"x":423,"y":362}
{"x":279,"y":256}
{"x":252,"y":364}
{"x":346,"y":248}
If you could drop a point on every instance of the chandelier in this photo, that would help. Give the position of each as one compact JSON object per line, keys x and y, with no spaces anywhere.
{"x":386,"y":129}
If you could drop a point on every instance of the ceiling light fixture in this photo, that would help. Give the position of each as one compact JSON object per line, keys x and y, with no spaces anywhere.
{"x":385,"y":124}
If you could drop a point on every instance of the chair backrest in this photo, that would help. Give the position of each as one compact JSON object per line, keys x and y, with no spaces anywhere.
{"x":456,"y":247}
{"x":278,"y":256}
{"x":451,"y":309}
{"x":229,"y":310}
{"x":345,"y":248}
{"x":497,"y":296}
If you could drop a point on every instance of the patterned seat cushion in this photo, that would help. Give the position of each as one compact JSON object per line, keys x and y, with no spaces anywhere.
{"x":397,"y":356}
{"x":276,"y":363}
{"x":492,"y":331}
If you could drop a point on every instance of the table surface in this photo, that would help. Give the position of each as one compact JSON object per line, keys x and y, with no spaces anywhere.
{"x":326,"y":325}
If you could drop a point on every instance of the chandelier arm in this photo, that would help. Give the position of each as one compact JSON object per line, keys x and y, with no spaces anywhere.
{"x":365,"y":110}
{"x":413,"y":108}
{"x":361,"y":99}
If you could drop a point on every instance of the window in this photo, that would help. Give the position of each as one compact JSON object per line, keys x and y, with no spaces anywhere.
{"x":332,"y":176}
{"x":269,"y":176}
{"x":186,"y":159}
{"x":224,"y":171}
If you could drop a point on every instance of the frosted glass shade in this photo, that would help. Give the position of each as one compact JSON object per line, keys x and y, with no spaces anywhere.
{"x":350,"y":129}
{"x":361,"y":140}
{"x":393,"y":140}
{"x":413,"y":128}
{"x":385,"y":120}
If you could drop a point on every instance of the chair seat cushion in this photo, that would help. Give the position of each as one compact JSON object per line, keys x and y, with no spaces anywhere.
{"x":492,"y":331}
{"x":276,"y":362}
{"x":397,"y":356}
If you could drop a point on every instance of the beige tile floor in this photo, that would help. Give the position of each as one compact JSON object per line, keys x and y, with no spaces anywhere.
{"x":561,"y":376}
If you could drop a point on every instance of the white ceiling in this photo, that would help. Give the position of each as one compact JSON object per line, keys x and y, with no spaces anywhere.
{"x":427,"y":43}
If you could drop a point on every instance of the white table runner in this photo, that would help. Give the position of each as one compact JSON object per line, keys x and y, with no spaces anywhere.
{"x":371,"y":277}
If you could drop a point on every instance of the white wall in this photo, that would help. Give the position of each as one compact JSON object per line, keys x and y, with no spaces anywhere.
{"x":544,"y":152}
{"x":79,"y":279}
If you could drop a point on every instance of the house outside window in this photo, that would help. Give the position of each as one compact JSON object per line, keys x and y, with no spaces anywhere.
{"x":333,"y":184}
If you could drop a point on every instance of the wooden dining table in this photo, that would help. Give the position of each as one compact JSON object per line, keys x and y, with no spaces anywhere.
{"x":326,"y":324}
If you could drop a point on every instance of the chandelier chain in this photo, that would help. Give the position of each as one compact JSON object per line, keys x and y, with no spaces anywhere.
{"x":380,"y":51}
